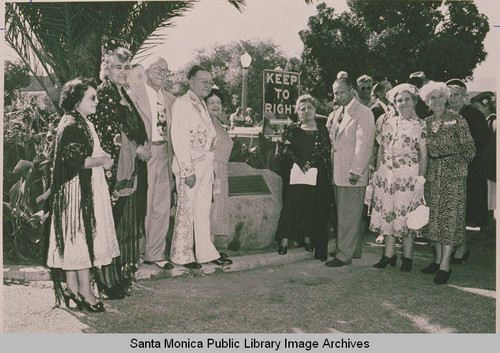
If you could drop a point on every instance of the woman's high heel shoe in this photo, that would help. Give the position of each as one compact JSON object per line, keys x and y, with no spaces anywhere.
{"x":94,"y":308}
{"x":282,"y":249}
{"x":432,"y":268}
{"x":69,"y":295}
{"x":407,"y":264}
{"x":460,"y":260}
{"x":384,"y":261}
{"x":442,"y":277}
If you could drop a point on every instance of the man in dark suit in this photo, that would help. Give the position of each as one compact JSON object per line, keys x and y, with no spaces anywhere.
{"x":485,"y":102}
{"x":352,"y":136}
{"x":154,"y":105}
{"x":381,"y":106}
{"x":477,"y":208}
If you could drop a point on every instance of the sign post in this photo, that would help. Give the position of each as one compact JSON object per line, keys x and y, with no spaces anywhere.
{"x":281,"y":90}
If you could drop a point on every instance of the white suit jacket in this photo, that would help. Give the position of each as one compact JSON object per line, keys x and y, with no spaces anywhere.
{"x":352,"y":145}
{"x":193,"y":134}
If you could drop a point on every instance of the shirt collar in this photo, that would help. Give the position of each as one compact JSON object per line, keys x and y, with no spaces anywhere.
{"x":384,"y":106}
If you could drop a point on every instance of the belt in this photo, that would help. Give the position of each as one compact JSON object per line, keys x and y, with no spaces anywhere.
{"x":159,"y":143}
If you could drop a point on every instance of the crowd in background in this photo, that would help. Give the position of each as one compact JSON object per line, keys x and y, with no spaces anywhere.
{"x":393,"y":149}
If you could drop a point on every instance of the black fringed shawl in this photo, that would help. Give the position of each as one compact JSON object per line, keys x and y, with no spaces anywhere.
{"x":111,"y":118}
{"x":74,"y":143}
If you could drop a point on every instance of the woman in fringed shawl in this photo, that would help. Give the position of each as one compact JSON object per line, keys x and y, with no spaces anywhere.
{"x":82,"y":232}
{"x":123,"y":135}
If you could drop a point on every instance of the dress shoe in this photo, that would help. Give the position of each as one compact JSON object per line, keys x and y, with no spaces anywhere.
{"x":321,"y":258}
{"x":222,"y":261}
{"x":334,"y":263}
{"x":93,"y":308}
{"x":69,"y":295}
{"x":282,"y":249}
{"x":164,"y":265}
{"x":193,"y":266}
{"x":460,"y":260}
{"x":407,"y":264}
{"x":115,"y":292}
{"x":308,"y":247}
{"x":442,"y":277}
{"x":384,"y":261}
{"x":432,"y":268}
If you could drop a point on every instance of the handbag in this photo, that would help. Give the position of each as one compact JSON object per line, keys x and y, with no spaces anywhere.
{"x":419,"y":217}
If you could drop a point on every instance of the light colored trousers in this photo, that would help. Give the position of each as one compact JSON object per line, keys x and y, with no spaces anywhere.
{"x":158,"y":206}
{"x":191,"y":238}
{"x":349,"y":201}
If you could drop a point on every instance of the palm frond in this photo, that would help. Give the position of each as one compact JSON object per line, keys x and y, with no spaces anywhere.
{"x":66,"y":37}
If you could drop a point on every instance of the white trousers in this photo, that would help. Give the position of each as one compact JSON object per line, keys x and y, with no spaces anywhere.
{"x":191,"y":238}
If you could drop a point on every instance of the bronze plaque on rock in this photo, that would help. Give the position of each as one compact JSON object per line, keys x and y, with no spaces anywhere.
{"x":248,"y":185}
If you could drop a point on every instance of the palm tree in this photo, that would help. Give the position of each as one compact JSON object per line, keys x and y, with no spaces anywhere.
{"x":64,"y":39}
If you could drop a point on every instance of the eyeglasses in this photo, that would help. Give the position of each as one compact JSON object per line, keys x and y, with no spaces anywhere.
{"x":365,"y":88}
{"x":159,"y":71}
{"x":206,"y":82}
{"x":120,"y":67}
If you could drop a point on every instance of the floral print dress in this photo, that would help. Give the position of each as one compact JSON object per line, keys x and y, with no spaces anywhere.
{"x":394,"y":181}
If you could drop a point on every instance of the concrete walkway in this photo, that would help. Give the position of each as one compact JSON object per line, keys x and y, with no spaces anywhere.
{"x":240,"y":263}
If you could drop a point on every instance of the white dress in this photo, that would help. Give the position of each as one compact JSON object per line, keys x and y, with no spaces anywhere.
{"x":76,"y":254}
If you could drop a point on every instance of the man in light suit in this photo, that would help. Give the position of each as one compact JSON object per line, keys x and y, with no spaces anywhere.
{"x":352,"y":135}
{"x":154,"y":105}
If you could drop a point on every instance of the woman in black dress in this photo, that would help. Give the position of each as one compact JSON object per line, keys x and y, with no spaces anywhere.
{"x":304,"y":216}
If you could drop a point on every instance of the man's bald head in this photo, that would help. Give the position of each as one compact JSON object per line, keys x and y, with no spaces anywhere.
{"x":156,"y":69}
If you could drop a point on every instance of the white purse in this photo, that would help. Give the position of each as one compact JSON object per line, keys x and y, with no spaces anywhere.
{"x":419,"y":217}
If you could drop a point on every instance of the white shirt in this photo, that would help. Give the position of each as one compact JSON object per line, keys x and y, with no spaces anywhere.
{"x":154,"y":98}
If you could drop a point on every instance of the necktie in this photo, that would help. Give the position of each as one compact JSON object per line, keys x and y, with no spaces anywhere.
{"x":161,"y":121}
{"x":339,"y":121}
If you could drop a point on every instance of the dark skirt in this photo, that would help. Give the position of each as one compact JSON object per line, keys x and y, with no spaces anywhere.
{"x":446,"y":201}
{"x":305,"y":213}
{"x":128,"y":214}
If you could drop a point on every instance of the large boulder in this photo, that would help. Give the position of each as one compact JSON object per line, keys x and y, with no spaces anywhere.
{"x":253,"y":218}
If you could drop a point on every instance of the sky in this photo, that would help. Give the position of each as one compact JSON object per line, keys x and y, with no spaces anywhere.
{"x":216,"y":21}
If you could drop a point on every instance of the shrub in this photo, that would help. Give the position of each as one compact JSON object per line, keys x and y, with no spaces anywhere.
{"x":29,"y":132}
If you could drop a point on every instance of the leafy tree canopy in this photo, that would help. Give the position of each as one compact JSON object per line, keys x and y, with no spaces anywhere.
{"x":223,"y":60}
{"x":16,"y":75}
{"x":391,"y":39}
